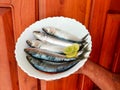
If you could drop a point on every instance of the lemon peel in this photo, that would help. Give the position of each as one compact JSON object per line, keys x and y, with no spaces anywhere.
{"x":71,"y":51}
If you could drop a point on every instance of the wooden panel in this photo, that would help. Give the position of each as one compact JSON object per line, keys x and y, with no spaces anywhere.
{"x":7,"y":61}
{"x":116,"y":63}
{"x":96,"y":28}
{"x":70,"y":83}
{"x":115,"y":6}
{"x":5,"y":1}
{"x":79,"y":10}
{"x":110,"y":44}
{"x":97,"y":24}
{"x":24,"y":14}
{"x":109,"y":40}
{"x":68,"y":8}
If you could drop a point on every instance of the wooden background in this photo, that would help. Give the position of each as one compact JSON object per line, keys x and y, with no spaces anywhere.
{"x":101,"y":17}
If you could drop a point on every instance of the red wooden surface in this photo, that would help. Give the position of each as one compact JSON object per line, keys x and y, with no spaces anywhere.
{"x":5,"y":1}
{"x":110,"y":40}
{"x":116,"y":64}
{"x":23,"y":16}
{"x":96,"y":28}
{"x":8,"y":64}
{"x":115,"y":6}
{"x":115,"y":18}
{"x":80,"y":10}
{"x":94,"y":14}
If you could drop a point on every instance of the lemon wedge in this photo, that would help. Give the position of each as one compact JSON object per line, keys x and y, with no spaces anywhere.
{"x":76,"y":46}
{"x":71,"y":51}
{"x":71,"y":55}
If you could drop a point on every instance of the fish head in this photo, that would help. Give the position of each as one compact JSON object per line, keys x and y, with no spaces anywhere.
{"x":49,"y":30}
{"x":39,"y":35}
{"x":35,"y":33}
{"x":34,"y":43}
{"x":29,"y":42}
{"x":30,"y":51}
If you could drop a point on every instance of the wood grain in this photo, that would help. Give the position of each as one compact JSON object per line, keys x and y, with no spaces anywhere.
{"x":97,"y":24}
{"x":116,"y":62}
{"x":96,"y":28}
{"x":74,"y":9}
{"x":70,"y":83}
{"x":5,"y":1}
{"x":109,"y":40}
{"x":23,"y":15}
{"x":115,"y":6}
{"x":7,"y":61}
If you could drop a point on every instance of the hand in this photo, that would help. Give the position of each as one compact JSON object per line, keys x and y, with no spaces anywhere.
{"x":103,"y":78}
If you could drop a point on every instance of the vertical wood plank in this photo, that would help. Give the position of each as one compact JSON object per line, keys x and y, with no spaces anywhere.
{"x":97,"y":24}
{"x":42,"y":9}
{"x":115,"y":5}
{"x":8,"y":64}
{"x":70,"y":83}
{"x":89,"y":4}
{"x":116,"y":62}
{"x":24,"y":14}
{"x":109,"y":40}
{"x":5,"y":1}
{"x":11,"y":46}
{"x":68,"y":8}
{"x":96,"y":28}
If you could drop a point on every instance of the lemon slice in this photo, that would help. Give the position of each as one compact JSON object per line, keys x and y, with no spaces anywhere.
{"x":68,"y":50}
{"x":72,"y":55}
{"x":76,"y":46}
{"x":71,"y":51}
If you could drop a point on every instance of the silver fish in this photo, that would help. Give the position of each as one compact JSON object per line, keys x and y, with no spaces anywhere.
{"x":47,"y":38}
{"x":62,"y":34}
{"x":45,"y":45}
{"x":52,"y":67}
{"x":47,"y":55}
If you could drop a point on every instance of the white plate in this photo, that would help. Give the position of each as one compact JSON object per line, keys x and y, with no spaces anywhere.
{"x":70,"y":25}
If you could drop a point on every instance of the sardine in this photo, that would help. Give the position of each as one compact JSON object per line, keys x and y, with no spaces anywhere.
{"x":47,"y":38}
{"x":63,"y":35}
{"x":45,"y":45}
{"x":53,"y":67}
{"x":47,"y":55}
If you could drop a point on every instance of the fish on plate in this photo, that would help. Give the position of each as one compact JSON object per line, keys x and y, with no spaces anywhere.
{"x":45,"y":45}
{"x":51,"y":56}
{"x":53,"y":67}
{"x":47,"y":38}
{"x":63,"y":34}
{"x":54,"y":40}
{"x":47,"y":55}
